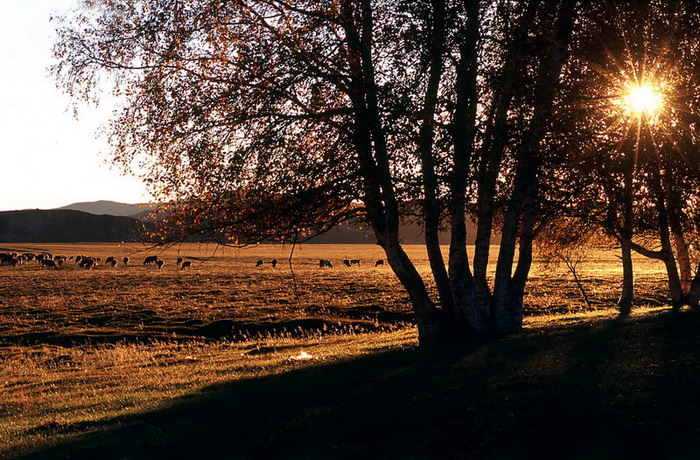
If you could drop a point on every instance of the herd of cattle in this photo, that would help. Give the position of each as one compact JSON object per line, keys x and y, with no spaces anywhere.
{"x":49,"y":260}
{"x":323,"y":263}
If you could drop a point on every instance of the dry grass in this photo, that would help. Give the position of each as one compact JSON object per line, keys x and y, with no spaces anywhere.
{"x":79,"y":348}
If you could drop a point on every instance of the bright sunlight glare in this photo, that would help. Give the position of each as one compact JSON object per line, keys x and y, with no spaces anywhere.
{"x":644,"y":100}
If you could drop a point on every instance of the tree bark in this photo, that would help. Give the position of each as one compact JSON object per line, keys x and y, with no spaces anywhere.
{"x":468,"y":314}
{"x":674,"y":203}
{"x":431,"y":202}
{"x":674,"y":281}
{"x":626,"y":299}
{"x":380,"y":201}
{"x":523,"y":205}
{"x":492,"y":151}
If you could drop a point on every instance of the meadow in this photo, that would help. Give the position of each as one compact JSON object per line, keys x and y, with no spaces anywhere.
{"x":90,"y":358}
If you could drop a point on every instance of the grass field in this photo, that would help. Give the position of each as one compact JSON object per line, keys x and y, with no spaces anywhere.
{"x":244,"y":360}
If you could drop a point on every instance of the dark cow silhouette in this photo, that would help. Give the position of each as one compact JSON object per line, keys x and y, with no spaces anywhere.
{"x":160,"y":263}
{"x":126,"y":261}
{"x":274,"y":263}
{"x":379,"y":262}
{"x":112,"y":263}
{"x":179,"y":261}
{"x":325,"y":263}
{"x":150,"y":260}
{"x":346,"y":262}
{"x":87,"y":263}
{"x":259,"y":263}
{"x":48,"y":263}
{"x":185,"y":264}
{"x":354,"y":261}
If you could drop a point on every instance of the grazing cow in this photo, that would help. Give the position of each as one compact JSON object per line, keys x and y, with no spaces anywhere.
{"x":355,"y":262}
{"x":48,"y":263}
{"x":87,"y":263}
{"x":186,"y":264}
{"x":60,"y":261}
{"x":325,"y":263}
{"x":126,"y":261}
{"x":179,"y":261}
{"x":379,"y":262}
{"x":160,"y":263}
{"x":259,"y":263}
{"x":78,"y":259}
{"x":150,"y":260}
{"x":109,"y":260}
{"x":274,"y":263}
{"x":14,"y":262}
{"x":346,"y":262}
{"x":112,"y":263}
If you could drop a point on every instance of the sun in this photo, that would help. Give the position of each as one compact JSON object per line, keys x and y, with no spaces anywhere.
{"x":644,"y":100}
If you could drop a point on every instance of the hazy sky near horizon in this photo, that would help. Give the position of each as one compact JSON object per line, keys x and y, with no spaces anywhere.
{"x":47,"y":157}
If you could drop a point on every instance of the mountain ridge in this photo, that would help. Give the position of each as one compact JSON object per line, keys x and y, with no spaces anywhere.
{"x":91,"y":222}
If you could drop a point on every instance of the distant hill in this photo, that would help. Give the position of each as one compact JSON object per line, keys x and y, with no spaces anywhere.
{"x":409,"y":234}
{"x":109,"y":221}
{"x":65,"y":226}
{"x":111,"y":208}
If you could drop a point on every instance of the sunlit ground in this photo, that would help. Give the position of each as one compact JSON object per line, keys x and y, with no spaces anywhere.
{"x":82,"y":350}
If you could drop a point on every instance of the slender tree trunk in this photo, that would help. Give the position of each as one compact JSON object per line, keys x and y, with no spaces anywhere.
{"x":674,"y":281}
{"x":682,"y":252}
{"x":370,"y":145}
{"x":522,"y":207}
{"x":504,"y":291}
{"x":674,"y":204}
{"x":694,"y":294}
{"x":492,"y":151}
{"x":431,"y":202}
{"x":626,"y":299}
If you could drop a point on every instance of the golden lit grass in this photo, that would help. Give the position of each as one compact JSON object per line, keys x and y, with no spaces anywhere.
{"x":81,"y":348}
{"x":47,"y":392}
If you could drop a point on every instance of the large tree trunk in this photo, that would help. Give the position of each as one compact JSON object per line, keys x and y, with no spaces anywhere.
{"x":431,"y":324}
{"x":468,"y":315}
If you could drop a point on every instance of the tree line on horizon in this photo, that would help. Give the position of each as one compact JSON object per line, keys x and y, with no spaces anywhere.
{"x":279,"y":119}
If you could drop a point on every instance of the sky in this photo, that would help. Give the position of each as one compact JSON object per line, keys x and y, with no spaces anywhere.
{"x":48,"y":158}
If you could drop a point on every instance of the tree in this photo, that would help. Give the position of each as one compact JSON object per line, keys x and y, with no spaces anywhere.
{"x":636,"y":166}
{"x":275,"y":119}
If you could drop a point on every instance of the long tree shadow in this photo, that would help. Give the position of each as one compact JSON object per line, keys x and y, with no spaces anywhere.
{"x":615,"y":390}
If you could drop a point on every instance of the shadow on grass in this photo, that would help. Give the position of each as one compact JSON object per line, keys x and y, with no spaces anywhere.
{"x":614,"y":390}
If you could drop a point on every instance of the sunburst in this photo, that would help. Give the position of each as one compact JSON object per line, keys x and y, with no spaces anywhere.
{"x":644,"y":101}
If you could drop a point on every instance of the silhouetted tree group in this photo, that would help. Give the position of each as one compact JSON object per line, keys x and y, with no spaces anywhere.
{"x":278,"y":119}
